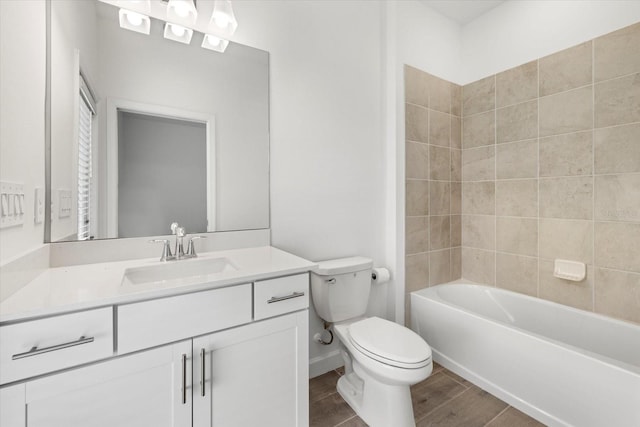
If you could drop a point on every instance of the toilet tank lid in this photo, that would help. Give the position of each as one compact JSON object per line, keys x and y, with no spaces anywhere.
{"x":343,"y":265}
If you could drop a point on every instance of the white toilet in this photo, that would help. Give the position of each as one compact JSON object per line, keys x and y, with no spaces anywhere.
{"x":382,"y":358}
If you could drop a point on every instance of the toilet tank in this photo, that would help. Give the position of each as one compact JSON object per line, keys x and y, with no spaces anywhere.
{"x":340,"y":288}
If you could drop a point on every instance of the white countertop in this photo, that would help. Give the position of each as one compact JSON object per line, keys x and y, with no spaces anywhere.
{"x":80,"y":287}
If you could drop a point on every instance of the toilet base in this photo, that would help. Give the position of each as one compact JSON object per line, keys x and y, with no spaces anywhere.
{"x":378,"y":404}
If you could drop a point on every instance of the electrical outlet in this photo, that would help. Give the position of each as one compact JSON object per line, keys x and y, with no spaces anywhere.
{"x":38,"y":208}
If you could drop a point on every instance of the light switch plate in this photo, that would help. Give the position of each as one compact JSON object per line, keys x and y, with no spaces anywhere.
{"x":64,"y":203}
{"x":11,"y":204}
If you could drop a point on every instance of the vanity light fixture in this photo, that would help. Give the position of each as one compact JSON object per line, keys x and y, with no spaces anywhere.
{"x":223,"y":21}
{"x":183,"y":11}
{"x":212,"y":42}
{"x":134,"y":21}
{"x":177,"y":33}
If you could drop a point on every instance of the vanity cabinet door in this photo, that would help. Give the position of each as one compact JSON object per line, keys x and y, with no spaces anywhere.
{"x":12,"y":404}
{"x":254,"y":375}
{"x":143,"y":389}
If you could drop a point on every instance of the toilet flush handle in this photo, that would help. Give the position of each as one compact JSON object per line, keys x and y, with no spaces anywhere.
{"x":331,"y":281}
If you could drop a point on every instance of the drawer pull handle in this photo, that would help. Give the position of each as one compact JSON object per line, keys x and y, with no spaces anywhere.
{"x":184,"y":379}
{"x":202,"y":374}
{"x":278,"y":299}
{"x":36,"y":351}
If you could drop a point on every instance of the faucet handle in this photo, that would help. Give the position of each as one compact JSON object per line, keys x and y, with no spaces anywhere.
{"x":166,"y":249}
{"x":174,"y":226}
{"x":191,"y":250}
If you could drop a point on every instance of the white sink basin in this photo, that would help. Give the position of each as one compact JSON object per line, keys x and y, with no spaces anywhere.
{"x":172,"y":271}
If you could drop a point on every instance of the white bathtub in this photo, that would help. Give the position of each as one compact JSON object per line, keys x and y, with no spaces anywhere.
{"x":560,"y":365}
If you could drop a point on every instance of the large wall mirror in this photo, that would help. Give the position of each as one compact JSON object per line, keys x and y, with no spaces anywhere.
{"x":146,"y":131}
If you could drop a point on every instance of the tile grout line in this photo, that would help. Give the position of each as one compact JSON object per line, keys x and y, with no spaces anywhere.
{"x":495,"y":178}
{"x":443,"y":404}
{"x":538,"y":181}
{"x":453,"y":379}
{"x":593,"y":173}
{"x":497,"y":416}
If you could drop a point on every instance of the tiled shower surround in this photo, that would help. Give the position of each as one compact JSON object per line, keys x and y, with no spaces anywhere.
{"x":433,"y":180}
{"x":551,"y":169}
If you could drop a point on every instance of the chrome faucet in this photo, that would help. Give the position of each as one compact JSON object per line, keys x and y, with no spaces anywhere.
{"x":178,"y":252}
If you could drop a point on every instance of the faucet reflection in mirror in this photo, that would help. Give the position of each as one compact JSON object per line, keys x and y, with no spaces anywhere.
{"x":180,"y":18}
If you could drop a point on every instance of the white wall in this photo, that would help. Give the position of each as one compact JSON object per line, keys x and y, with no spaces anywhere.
{"x":517,"y":32}
{"x":327,"y":148}
{"x":22,"y":96}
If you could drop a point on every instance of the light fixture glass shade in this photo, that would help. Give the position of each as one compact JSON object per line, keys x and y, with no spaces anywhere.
{"x":223,"y":21}
{"x":182,"y":11}
{"x":177,"y":33}
{"x":134,"y":21}
{"x":212,"y":42}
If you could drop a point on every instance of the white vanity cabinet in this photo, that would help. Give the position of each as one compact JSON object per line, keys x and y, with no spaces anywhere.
{"x":227,"y":357}
{"x":255,"y":375}
{"x":143,"y":389}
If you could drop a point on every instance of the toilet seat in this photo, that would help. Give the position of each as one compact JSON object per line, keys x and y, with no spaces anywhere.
{"x":389,"y":343}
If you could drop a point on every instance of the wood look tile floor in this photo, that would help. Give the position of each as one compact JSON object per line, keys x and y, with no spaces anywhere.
{"x":444,"y":399}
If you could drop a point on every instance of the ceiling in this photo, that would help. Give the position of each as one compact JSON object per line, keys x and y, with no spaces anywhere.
{"x":462,"y":11}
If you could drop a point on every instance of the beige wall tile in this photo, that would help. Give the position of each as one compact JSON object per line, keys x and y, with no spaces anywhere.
{"x":517,"y":197}
{"x":618,"y":294}
{"x":617,"y":245}
{"x":570,"y":198}
{"x":517,"y":122}
{"x":440,"y":198}
{"x":456,"y":230}
{"x":617,"y":149}
{"x":478,"y":96}
{"x":440,"y":95}
{"x":517,"y":159}
{"x":517,"y":85}
{"x":566,"y":112}
{"x":456,"y":198}
{"x":416,"y":234}
{"x":479,"y":164}
{"x":479,"y":231}
{"x":439,"y":163}
{"x":439,"y":232}
{"x":567,"y":69}
{"x":617,"y":101}
{"x":417,"y":198}
{"x":478,"y":265}
{"x":416,"y":86}
{"x":456,"y":165}
{"x":416,"y":122}
{"x":439,"y":128}
{"x":617,"y":53}
{"x":479,"y":130}
{"x":517,"y":235}
{"x":456,"y":263}
{"x":618,"y":197}
{"x":417,"y":155}
{"x":566,"y":239}
{"x":456,"y":132}
{"x":517,"y":273}
{"x":478,"y":198}
{"x":456,"y":100}
{"x":439,"y":267}
{"x":574,"y":294}
{"x":566,"y":155}
{"x":417,"y":272}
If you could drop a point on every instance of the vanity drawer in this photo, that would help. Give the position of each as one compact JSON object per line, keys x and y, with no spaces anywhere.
{"x":45,"y":345}
{"x":151,"y":323}
{"x":278,"y":296}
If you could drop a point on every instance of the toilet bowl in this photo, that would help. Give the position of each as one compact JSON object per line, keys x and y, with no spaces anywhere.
{"x":382,"y":359}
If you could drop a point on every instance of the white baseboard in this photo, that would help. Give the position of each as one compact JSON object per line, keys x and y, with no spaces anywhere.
{"x":325,"y":363}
